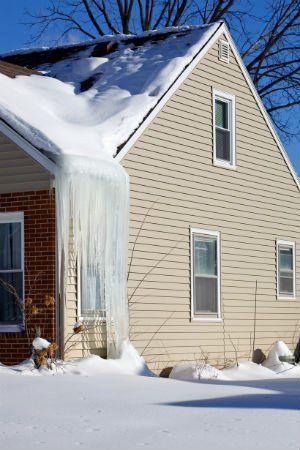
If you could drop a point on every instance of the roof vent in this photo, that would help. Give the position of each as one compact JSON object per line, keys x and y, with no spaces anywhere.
{"x":224,"y":51}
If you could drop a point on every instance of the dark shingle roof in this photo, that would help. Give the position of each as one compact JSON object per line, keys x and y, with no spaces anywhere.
{"x":45,"y":56}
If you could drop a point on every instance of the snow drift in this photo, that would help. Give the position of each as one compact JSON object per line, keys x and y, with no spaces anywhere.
{"x":281,"y":368}
{"x":129,"y":363}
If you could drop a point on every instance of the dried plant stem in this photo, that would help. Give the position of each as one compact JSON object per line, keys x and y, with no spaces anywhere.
{"x":155,"y":334}
{"x":254,"y":321}
{"x":137,"y":237}
{"x":235,"y":351}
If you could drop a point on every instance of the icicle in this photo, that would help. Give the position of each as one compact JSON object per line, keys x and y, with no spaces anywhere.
{"x":92,"y":204}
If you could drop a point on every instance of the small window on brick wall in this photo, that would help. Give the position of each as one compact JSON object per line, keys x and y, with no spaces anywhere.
{"x":11,"y":271}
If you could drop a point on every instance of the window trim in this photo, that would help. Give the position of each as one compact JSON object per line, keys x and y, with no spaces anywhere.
{"x":15,"y":217}
{"x":80,"y":316}
{"x":217,"y":234}
{"x":291,"y":244}
{"x":230,"y":99}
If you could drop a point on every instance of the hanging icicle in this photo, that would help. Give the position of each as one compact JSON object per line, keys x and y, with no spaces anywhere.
{"x":92,"y":210}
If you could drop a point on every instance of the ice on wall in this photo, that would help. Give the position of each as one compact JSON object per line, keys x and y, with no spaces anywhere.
{"x":92,"y":205}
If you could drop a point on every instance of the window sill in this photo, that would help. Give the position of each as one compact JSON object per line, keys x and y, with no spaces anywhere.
{"x":284,"y":297}
{"x":224,"y":165}
{"x":92,"y":319}
{"x":12,"y":328}
{"x":206,"y":319}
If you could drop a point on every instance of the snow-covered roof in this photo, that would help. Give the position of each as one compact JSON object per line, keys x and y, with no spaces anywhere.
{"x":93,"y":96}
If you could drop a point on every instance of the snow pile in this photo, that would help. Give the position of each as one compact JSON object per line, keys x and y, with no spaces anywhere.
{"x":130,"y":363}
{"x":40,"y":344}
{"x":191,"y":371}
{"x":271,"y":368}
{"x":126,"y":84}
{"x":26,"y":367}
{"x":279,"y":367}
{"x":248,"y":371}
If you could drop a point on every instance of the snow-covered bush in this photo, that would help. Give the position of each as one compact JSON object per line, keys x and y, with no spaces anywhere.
{"x":43,"y":352}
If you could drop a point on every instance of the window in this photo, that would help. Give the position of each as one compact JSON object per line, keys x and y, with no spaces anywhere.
{"x":205,"y":274}
{"x":224,"y":129}
{"x":286,"y":273}
{"x":11,"y":271}
{"x":91,"y":295}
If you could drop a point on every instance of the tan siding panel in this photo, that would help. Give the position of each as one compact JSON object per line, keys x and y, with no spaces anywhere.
{"x":18,"y":172}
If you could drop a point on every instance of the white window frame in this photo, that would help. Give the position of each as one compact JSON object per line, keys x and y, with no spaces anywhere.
{"x":80,"y":316}
{"x":230,"y":99}
{"x":198,"y":317}
{"x":293,"y":246}
{"x":14,"y":217}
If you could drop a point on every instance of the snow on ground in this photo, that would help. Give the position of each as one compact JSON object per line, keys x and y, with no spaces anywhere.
{"x":124,"y":86}
{"x":117,"y":411}
{"x":109,"y":406}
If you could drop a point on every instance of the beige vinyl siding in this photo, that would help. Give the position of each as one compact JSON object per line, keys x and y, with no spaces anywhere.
{"x":176,"y":186}
{"x":18,"y":172}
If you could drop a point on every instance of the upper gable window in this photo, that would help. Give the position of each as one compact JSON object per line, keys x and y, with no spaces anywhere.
{"x":224,"y":129}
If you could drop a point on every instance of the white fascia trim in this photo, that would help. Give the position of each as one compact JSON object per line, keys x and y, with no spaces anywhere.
{"x":129,"y":144}
{"x":28,"y":148}
{"x":231,"y":98}
{"x":217,"y":234}
{"x":293,"y":246}
{"x":261,"y":105}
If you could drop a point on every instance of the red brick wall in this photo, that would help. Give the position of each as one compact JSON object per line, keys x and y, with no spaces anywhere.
{"x":39,"y":262}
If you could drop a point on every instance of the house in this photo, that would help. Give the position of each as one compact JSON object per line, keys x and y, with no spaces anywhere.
{"x":214,"y":201}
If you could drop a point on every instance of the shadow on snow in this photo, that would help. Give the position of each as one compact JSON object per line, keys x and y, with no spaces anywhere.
{"x":285,"y":395}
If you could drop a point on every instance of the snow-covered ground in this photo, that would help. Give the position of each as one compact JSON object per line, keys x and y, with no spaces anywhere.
{"x":119,"y":404}
{"x":115,"y":411}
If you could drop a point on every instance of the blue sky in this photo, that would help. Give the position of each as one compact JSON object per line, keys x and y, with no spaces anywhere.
{"x":14,"y":34}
